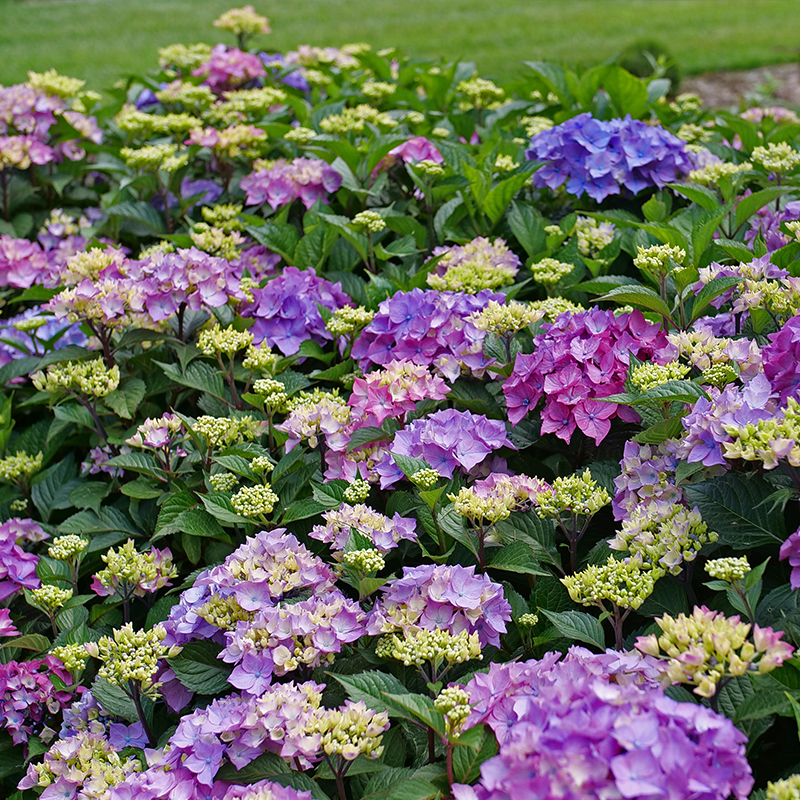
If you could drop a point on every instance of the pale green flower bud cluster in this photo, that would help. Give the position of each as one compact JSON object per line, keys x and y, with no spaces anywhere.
{"x":87,"y":763}
{"x":720,"y":375}
{"x":787,"y":789}
{"x":19,"y":505}
{"x":355,"y":119}
{"x":453,"y":702}
{"x":315,"y":77}
{"x":711,"y":174}
{"x":53,"y":83}
{"x":225,"y":216}
{"x":365,"y":561}
{"x":154,"y":157}
{"x":261,"y":358}
{"x":430,"y":168}
{"x":132,"y":656}
{"x":480,"y":93}
{"x":707,"y":646}
{"x":254,"y":501}
{"x":794,"y":228}
{"x":67,"y":547}
{"x":30,"y":324}
{"x":593,"y":236}
{"x":224,"y":612}
{"x":505,"y":319}
{"x":369,"y":221}
{"x":242,"y":22}
{"x":505,"y":164}
{"x":72,"y":656}
{"x":185,"y":57}
{"x":413,"y":118}
{"x":223,"y":431}
{"x":348,"y":320}
{"x":357,"y":492}
{"x":728,"y":569}
{"x":216,"y":241}
{"x":622,"y":583}
{"x":648,"y":376}
{"x":553,"y":307}
{"x":694,"y":134}
{"x":534,"y":125}
{"x":479,"y":508}
{"x":186,"y":94}
{"x":660,"y":535}
{"x":49,"y":598}
{"x":686,"y":102}
{"x":139,"y":124}
{"x":573,"y":494}
{"x":769,"y":440}
{"x":419,"y":647}
{"x":471,"y":276}
{"x":300,"y":135}
{"x":88,"y":377}
{"x":129,"y":570}
{"x":528,"y":620}
{"x":274,"y":394}
{"x":553,"y":230}
{"x":20,"y":465}
{"x":440,"y":133}
{"x":262,"y":464}
{"x":425,"y":478}
{"x":781,"y":157}
{"x":549,"y":271}
{"x":227,"y":340}
{"x":378,"y":91}
{"x":240,"y":103}
{"x":352,"y":731}
{"x":158,"y":247}
{"x":223,"y":481}
{"x":655,"y":259}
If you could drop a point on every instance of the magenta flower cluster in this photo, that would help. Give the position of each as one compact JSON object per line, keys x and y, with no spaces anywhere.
{"x":601,"y":158}
{"x":429,"y":328}
{"x":446,"y":440}
{"x":28,"y":697}
{"x":781,"y":358}
{"x":442,"y":597}
{"x":790,"y":550}
{"x":565,"y":730}
{"x":286,"y":312}
{"x":577,"y":360}
{"x":309,"y":179}
{"x":229,"y":68}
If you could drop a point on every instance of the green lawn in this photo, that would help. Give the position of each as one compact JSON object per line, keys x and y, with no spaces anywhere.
{"x":102,"y":39}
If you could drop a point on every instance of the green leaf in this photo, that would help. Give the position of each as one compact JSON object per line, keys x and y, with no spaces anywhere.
{"x":467,"y":760}
{"x":603,"y":283}
{"x":30,"y":641}
{"x":370,"y":687}
{"x":731,"y":506}
{"x":517,"y":557}
{"x":114,"y":699}
{"x":125,"y":400}
{"x":278,"y":237}
{"x":796,"y":709}
{"x":302,"y":509}
{"x":199,"y":669}
{"x":537,"y":534}
{"x":712,"y":289}
{"x":89,"y":495}
{"x":140,"y":212}
{"x":265,"y":767}
{"x":761,"y":704}
{"x":198,"y":375}
{"x":627,"y":92}
{"x":527,"y":225}
{"x":410,"y":466}
{"x":135,"y":462}
{"x":701,"y":195}
{"x":414,"y":789}
{"x":638,"y":296}
{"x":52,"y":487}
{"x":330,"y":494}
{"x":748,"y":206}
{"x":416,"y":708}
{"x":366,"y":435}
{"x":669,"y":392}
{"x":578,"y":626}
{"x":219,"y":506}
{"x":197,"y":522}
{"x":497,"y":200}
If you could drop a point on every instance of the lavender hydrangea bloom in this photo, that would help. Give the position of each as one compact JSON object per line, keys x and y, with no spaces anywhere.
{"x":565,"y":730}
{"x":449,"y":439}
{"x":766,"y":221}
{"x":757,"y":269}
{"x":781,"y":358}
{"x":446,"y":597}
{"x":286,"y":312}
{"x":791,"y":549}
{"x":600,"y":158}
{"x":647,"y":472}
{"x":32,"y":340}
{"x":428,"y":328}
{"x":309,"y":179}
{"x":17,"y":568}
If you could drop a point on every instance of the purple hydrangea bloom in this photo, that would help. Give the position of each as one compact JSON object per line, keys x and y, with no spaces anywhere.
{"x":309,"y":179}
{"x":229,"y":68}
{"x":600,"y":158}
{"x":578,"y":359}
{"x":17,"y":568}
{"x":791,"y":549}
{"x":440,"y":596}
{"x":766,"y":221}
{"x":121,"y":736}
{"x":449,"y":439}
{"x":757,"y":269}
{"x":286,"y":312}
{"x":565,"y":730}
{"x":647,"y":472}
{"x":781,"y":358}
{"x":32,"y":342}
{"x":428,"y":328}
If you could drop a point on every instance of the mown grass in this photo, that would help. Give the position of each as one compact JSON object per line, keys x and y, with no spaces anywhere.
{"x":100,"y":40}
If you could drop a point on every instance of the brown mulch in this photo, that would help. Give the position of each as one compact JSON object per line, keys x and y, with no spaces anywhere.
{"x":726,"y":89}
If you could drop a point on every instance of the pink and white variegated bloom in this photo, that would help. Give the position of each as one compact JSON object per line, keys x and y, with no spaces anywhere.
{"x":384,"y":532}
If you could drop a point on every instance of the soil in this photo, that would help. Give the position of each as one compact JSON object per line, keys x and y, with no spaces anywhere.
{"x":776,"y":85}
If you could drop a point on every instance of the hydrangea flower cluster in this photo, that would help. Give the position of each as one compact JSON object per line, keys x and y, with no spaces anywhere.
{"x":130,"y":573}
{"x":781,"y":359}
{"x":429,"y":328}
{"x":566,"y":730}
{"x":479,"y":264}
{"x":441,"y":597}
{"x":27,"y":334}
{"x":705,"y":647}
{"x":769,"y":440}
{"x":383,"y":532}
{"x":647,"y":472}
{"x":268,"y":567}
{"x":229,"y":68}
{"x":577,"y":360}
{"x":791,"y":549}
{"x":321,"y":416}
{"x":600,"y":158}
{"x":286,"y":312}
{"x":281,"y":182}
{"x":446,"y":440}
{"x":17,"y":567}
{"x":28,"y":696}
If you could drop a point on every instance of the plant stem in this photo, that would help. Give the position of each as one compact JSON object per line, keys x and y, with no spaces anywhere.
{"x":137,"y":702}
